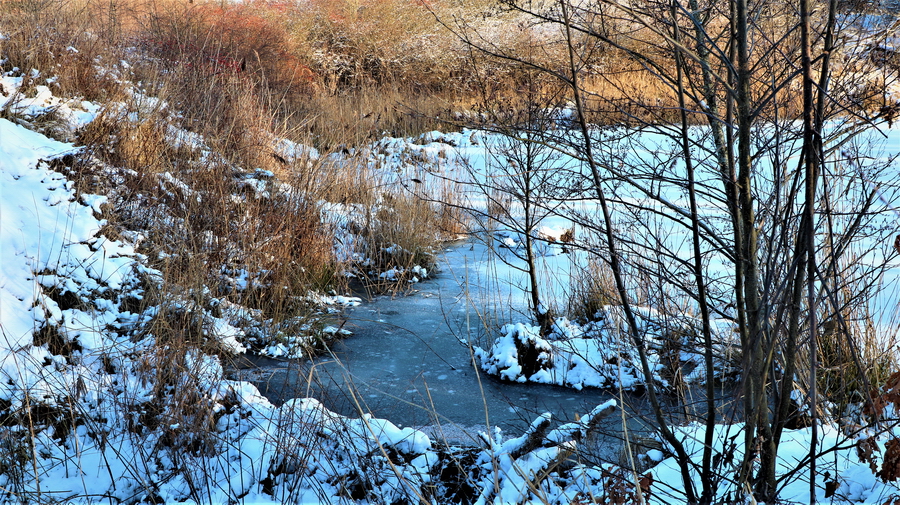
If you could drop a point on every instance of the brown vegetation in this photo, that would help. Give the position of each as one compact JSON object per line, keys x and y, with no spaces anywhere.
{"x":190,"y":147}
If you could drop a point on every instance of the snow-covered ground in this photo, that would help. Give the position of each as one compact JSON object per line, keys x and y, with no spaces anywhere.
{"x":99,"y":413}
{"x":593,"y":354}
{"x":482,"y":170}
{"x":98,"y":431}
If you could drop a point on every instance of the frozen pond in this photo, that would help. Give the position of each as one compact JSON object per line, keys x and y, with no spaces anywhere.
{"x":408,"y":362}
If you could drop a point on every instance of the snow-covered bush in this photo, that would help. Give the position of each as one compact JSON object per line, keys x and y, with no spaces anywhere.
{"x":599,"y":354}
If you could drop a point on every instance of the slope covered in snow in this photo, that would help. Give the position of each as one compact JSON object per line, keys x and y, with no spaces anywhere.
{"x":99,"y":405}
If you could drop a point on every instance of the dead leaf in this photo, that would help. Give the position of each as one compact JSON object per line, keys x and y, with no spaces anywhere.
{"x":830,"y":488}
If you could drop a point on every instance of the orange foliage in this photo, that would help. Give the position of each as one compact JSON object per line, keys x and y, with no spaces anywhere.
{"x":255,"y":34}
{"x":236,"y":38}
{"x":889,"y":394}
{"x":890,"y":467}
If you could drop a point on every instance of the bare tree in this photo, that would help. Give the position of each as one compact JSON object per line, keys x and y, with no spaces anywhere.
{"x":745,"y":150}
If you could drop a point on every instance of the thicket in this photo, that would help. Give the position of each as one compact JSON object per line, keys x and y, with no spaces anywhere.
{"x":730,"y":183}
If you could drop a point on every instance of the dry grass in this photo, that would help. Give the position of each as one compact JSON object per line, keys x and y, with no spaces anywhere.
{"x":362,"y":115}
{"x":358,"y":42}
{"x":58,"y":39}
{"x":335,"y":75}
{"x":342,"y":72}
{"x":846,"y":342}
{"x":199,"y":203}
{"x":592,"y":290}
{"x":227,"y":79}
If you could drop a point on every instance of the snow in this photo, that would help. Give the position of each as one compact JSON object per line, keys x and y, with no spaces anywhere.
{"x":121,"y":445}
{"x":856,"y":481}
{"x":248,"y":450}
{"x":36,"y":202}
{"x":598,"y":353}
{"x":595,"y":354}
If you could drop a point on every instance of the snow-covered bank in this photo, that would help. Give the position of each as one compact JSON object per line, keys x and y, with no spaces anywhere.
{"x":100,"y":429}
{"x":599,"y":353}
{"x":480,"y":168}
{"x":99,"y":408}
{"x":103,"y":405}
{"x":84,"y":382}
